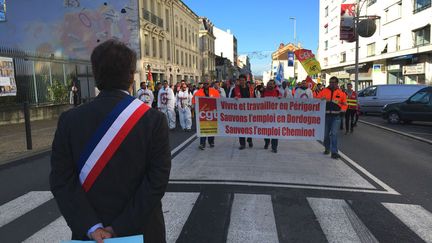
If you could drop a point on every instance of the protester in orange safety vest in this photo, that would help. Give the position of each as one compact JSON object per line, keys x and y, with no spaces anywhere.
{"x":336,"y":103}
{"x":206,"y":91}
{"x":352,"y":109}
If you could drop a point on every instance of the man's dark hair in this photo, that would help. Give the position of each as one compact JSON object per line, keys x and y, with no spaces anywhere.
{"x":142,"y":83}
{"x":335,"y":79}
{"x":349,"y":84}
{"x":242,"y":76}
{"x":114,"y":65}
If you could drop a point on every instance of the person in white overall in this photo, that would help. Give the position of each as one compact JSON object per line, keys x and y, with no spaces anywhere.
{"x":166,"y":104}
{"x":145,"y":95}
{"x":184,"y":104}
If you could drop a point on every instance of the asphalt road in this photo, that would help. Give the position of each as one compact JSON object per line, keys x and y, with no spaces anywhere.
{"x":419,"y":129}
{"x":212,"y":198}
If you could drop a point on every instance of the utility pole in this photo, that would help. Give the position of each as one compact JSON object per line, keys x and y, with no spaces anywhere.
{"x":357,"y":17}
{"x":295,"y":30}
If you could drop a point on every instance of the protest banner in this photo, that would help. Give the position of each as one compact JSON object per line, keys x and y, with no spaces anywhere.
{"x":301,"y":119}
{"x":308,"y":61}
{"x":347,"y":26}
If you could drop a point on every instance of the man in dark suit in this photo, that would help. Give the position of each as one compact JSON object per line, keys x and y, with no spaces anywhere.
{"x":125,"y":198}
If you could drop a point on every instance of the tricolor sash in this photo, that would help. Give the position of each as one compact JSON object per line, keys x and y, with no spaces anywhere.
{"x":108,"y":138}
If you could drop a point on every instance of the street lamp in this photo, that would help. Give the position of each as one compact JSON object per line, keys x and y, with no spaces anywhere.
{"x":295,"y":34}
{"x":357,"y":21}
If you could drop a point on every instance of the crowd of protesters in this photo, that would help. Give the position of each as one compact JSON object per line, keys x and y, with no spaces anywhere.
{"x":177,"y":100}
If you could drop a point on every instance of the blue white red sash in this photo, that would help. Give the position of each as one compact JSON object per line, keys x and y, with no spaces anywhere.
{"x":108,"y":138}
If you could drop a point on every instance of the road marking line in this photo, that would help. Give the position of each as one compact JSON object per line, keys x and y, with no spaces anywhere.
{"x":415,"y":217}
{"x":183,"y":144}
{"x":368,"y":174}
{"x":398,"y":132}
{"x":339,"y":222}
{"x":22,"y":205}
{"x":56,"y":231}
{"x":177,"y":207}
{"x":235,"y":183}
{"x":252,"y":219}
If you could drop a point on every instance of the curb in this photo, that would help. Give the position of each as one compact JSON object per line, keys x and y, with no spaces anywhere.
{"x":398,"y":132}
{"x":23,"y":158}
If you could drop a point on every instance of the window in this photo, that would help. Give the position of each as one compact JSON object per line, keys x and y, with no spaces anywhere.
{"x":182,"y":58}
{"x":154,"y":47}
{"x":398,"y":43}
{"x":176,"y":30}
{"x":422,"y":36}
{"x":326,"y":11}
{"x":167,"y":19}
{"x":421,"y":97}
{"x":343,"y":57}
{"x":325,"y":61}
{"x":393,"y":12}
{"x":181,"y":31}
{"x":325,"y":45}
{"x":371,"y":91}
{"x":146,"y":45}
{"x":420,"y":5}
{"x":371,"y":49}
{"x":177,"y":57}
{"x":168,"y":50}
{"x":160,"y":49}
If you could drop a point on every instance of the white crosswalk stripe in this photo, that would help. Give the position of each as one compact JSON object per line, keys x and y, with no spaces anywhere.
{"x":22,"y":205}
{"x":176,"y":208}
{"x":56,"y":231}
{"x":252,"y":218}
{"x":339,"y":222}
{"x":415,"y":217}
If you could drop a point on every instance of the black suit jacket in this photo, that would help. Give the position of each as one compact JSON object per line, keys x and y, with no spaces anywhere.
{"x":127,"y":194}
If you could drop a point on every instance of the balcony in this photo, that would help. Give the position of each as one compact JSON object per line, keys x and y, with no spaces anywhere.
{"x":152,"y":18}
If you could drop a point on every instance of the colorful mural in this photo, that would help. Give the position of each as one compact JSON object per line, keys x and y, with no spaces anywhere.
{"x":69,"y":28}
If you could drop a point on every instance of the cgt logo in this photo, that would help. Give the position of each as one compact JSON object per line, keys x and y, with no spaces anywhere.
{"x":207,"y":109}
{"x":208,"y":115}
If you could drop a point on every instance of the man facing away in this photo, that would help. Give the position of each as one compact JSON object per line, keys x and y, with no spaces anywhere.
{"x":145,"y":95}
{"x":184,"y":104}
{"x":111,"y":159}
{"x":166,"y":104}
{"x":206,"y":91}
{"x":336,"y":103}
{"x":243,"y":91}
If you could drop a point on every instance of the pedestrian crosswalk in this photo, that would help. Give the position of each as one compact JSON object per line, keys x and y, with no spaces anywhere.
{"x":243,"y":217}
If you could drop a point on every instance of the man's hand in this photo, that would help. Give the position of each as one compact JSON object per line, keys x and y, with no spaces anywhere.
{"x":110,"y":230}
{"x":100,"y":234}
{"x":236,"y":98}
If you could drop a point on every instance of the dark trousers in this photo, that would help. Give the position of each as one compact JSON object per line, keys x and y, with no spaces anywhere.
{"x":203,"y":140}
{"x":274,"y":143}
{"x":243,"y":141}
{"x":342,"y":115}
{"x":349,"y":119}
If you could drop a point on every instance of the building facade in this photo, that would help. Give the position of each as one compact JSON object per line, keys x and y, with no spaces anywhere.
{"x":226,"y":44}
{"x":169,"y":41}
{"x":244,"y":65}
{"x":207,"y":49}
{"x":292,"y":70}
{"x":400,"y":51}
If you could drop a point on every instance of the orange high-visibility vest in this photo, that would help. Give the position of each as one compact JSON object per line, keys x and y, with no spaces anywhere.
{"x":336,"y":100}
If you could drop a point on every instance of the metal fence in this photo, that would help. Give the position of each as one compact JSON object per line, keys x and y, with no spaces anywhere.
{"x":36,"y":72}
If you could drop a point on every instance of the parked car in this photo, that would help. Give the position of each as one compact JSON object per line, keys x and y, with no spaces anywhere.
{"x":416,"y":108}
{"x":372,"y":99}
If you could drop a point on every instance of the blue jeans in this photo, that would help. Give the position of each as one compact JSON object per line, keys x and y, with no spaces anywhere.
{"x":332,"y":123}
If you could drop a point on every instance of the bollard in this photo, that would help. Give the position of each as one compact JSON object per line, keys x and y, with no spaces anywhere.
{"x":27,"y":126}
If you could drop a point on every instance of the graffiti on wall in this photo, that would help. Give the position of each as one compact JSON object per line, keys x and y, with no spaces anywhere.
{"x":70,"y":28}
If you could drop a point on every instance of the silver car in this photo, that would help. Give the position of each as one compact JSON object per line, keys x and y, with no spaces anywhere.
{"x":372,"y":99}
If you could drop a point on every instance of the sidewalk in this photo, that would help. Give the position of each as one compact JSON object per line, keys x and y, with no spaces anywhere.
{"x":13,"y":139}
